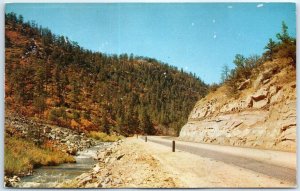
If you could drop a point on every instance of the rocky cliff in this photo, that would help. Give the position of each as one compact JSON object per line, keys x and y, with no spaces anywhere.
{"x":263,"y":115}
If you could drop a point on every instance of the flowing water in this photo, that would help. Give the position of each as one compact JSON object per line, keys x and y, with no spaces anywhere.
{"x":50,"y":176}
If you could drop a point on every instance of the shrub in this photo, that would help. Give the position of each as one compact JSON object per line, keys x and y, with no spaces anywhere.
{"x":213,"y":87}
{"x":104,"y":137}
{"x":22,"y":158}
{"x":245,"y":68}
{"x":57,"y":113}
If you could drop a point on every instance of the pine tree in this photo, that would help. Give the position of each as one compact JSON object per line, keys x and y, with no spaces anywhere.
{"x":284,"y":35}
{"x":146,"y":124}
{"x":270,"y":47}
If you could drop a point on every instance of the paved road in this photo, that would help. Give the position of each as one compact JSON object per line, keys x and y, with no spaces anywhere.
{"x":272,"y":170}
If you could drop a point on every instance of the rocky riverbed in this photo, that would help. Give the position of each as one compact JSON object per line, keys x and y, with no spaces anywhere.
{"x":124,"y":164}
{"x":64,"y":139}
{"x":51,"y":176}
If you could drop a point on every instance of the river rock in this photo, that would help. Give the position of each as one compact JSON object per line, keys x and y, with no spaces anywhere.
{"x":11,"y":182}
{"x":93,"y":185}
{"x":107,"y":160}
{"x":97,"y":168}
{"x":84,"y":178}
{"x":47,"y":129}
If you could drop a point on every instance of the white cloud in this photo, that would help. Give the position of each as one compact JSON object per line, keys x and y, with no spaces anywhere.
{"x":215,"y":36}
{"x":186,"y":67}
{"x":193,"y":24}
{"x":229,"y":6}
{"x":259,"y":5}
{"x":213,"y":20}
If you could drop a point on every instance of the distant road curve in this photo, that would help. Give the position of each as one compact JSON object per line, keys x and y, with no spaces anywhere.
{"x":281,"y":172}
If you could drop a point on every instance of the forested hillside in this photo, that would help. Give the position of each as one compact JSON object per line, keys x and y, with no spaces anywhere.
{"x":52,"y":78}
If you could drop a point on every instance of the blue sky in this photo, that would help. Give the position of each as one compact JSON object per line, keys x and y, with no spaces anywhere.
{"x":198,"y":37}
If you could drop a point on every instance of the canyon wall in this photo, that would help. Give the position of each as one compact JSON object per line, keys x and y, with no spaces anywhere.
{"x":263,"y":115}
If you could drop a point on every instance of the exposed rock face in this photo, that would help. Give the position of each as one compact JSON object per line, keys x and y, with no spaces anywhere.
{"x":67,"y":140}
{"x":264,"y":116}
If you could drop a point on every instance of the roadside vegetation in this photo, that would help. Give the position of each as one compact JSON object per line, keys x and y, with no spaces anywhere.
{"x":105,"y":137}
{"x":248,"y":67}
{"x":21,"y":156}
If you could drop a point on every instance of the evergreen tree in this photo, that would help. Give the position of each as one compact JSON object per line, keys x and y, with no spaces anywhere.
{"x":284,"y":35}
{"x":105,"y":123}
{"x":146,"y":124}
{"x":270,"y":47}
{"x":225,"y":73}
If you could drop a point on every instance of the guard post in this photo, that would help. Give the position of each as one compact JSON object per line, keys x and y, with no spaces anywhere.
{"x":173,"y":146}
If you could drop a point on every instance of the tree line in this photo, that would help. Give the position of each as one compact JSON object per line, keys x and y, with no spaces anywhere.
{"x":52,"y":78}
{"x":246,"y":67}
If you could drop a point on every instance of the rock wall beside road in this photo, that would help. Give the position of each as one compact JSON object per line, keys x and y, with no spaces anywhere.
{"x":263,"y":116}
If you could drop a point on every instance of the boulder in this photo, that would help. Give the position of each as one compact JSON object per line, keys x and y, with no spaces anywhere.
{"x":11,"y":182}
{"x":260,"y":94}
{"x":84,"y":178}
{"x":72,"y":150}
{"x":96,"y":169}
{"x":261,"y":103}
{"x":76,"y":137}
{"x":47,"y":129}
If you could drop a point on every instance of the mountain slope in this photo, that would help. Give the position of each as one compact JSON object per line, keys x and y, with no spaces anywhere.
{"x":255,"y":106}
{"x":52,"y":78}
{"x":263,"y":115}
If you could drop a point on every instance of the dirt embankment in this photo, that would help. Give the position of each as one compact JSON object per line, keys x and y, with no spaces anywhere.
{"x":125,"y":165}
{"x":133,"y":163}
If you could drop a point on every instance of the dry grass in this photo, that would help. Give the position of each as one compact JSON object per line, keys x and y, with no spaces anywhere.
{"x":104,"y":137}
{"x":22,"y":156}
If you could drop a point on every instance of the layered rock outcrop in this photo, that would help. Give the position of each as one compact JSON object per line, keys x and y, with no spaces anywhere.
{"x":263,"y":116}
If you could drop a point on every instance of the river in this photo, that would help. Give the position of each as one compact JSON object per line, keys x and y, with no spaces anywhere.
{"x":50,"y":176}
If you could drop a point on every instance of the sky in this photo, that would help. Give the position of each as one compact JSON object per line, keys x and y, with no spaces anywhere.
{"x":198,"y":37}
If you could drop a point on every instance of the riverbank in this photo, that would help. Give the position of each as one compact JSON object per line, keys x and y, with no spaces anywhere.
{"x":30,"y":144}
{"x":51,"y":176}
{"x":133,"y":163}
{"x":126,"y":164}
